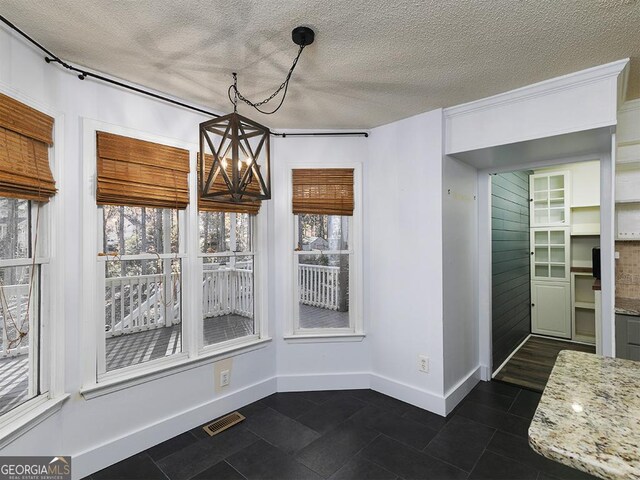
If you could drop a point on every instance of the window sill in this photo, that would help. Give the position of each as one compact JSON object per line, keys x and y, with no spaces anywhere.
{"x":131,"y":379}
{"x":324,"y":337}
{"x":23,"y":418}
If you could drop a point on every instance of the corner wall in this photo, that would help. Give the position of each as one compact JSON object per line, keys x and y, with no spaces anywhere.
{"x":403,"y":244}
{"x":460,"y":295}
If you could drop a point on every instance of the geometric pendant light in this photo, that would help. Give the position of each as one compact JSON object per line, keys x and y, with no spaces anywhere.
{"x":235,"y":163}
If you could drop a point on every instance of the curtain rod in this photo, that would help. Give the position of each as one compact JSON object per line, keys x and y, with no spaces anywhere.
{"x":82,"y":74}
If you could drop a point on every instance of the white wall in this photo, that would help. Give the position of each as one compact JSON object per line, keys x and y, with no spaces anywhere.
{"x":404,"y":255}
{"x":311,"y":366}
{"x":460,"y":257}
{"x":106,"y":429}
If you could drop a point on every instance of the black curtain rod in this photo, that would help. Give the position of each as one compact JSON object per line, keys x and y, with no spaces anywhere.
{"x":82,"y":74}
{"x":322,"y":134}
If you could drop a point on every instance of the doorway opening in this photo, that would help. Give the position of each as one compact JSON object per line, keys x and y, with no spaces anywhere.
{"x":545,"y":224}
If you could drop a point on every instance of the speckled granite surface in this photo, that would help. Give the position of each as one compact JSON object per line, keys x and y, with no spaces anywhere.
{"x":589,"y":415}
{"x":628,"y":306}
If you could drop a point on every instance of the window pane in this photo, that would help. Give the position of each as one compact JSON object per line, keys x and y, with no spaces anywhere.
{"x":135,"y":230}
{"x":17,"y":319}
{"x":225,"y":232}
{"x":323,"y":291}
{"x":322,"y":232}
{"x":14,"y":228}
{"x":142,"y":311}
{"x":227,"y":298}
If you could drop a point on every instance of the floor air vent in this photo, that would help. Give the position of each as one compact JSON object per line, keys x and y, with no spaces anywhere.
{"x":221,"y":424}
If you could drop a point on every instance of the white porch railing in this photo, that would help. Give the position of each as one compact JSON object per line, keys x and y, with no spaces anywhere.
{"x":15,"y":307}
{"x":227,"y":291}
{"x":135,"y":304}
{"x":144,"y":302}
{"x":318,"y":286}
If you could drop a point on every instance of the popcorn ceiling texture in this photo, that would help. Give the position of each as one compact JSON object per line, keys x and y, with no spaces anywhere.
{"x":374,"y":61}
{"x":628,"y":270}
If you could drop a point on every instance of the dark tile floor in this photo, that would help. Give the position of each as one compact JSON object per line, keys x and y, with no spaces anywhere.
{"x":361,"y":435}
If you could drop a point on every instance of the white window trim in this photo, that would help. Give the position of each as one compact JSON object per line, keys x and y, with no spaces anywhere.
{"x":192,"y":352}
{"x":356,"y":331}
{"x":19,"y":420}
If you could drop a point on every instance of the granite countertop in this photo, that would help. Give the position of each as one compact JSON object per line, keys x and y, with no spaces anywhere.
{"x":589,"y":415}
{"x":628,"y":306}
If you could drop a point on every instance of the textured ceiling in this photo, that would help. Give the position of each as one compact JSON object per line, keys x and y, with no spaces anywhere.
{"x":373,"y":61}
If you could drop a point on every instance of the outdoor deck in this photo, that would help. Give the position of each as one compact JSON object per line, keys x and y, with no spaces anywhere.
{"x":13,"y":381}
{"x":134,"y":348}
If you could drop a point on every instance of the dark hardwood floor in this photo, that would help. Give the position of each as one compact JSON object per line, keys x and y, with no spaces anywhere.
{"x":531,"y":366}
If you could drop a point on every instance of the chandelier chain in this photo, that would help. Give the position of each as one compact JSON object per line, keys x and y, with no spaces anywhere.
{"x":284,"y":86}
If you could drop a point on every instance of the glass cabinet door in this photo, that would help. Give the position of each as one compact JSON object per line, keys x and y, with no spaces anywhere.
{"x":549,"y":194}
{"x":550,"y":254}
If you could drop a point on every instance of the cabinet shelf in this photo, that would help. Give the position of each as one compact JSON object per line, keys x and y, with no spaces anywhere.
{"x":585,"y":305}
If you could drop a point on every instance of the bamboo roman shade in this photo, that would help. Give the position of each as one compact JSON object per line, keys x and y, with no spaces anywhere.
{"x":323,"y":191}
{"x":25,"y":136}
{"x":138,"y":173}
{"x":209,"y":205}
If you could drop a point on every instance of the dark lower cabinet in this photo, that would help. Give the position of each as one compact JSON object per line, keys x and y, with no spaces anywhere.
{"x":628,"y":337}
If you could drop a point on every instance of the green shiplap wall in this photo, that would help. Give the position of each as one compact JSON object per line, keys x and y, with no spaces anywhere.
{"x":511,"y":320}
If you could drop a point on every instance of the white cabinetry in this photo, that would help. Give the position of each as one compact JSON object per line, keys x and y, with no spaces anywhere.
{"x":628,"y":172}
{"x":549,"y":308}
{"x":550,"y":198}
{"x":550,"y":257}
{"x":583,"y":307}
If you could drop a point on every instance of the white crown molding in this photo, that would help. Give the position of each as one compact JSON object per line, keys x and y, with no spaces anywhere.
{"x":543,"y":88}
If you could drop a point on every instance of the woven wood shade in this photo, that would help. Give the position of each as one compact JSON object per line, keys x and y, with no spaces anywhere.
{"x":323,"y":191}
{"x":26,"y":121}
{"x":208,"y":205}
{"x":138,"y":173}
{"x":25,"y":136}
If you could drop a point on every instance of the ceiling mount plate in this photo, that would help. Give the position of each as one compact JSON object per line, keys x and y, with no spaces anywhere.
{"x":302,"y":36}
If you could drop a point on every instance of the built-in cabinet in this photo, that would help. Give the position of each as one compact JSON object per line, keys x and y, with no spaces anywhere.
{"x":549,"y":197}
{"x":549,"y":312}
{"x":550,"y":253}
{"x":628,"y":172}
{"x":564,"y":213}
{"x":583,"y":307}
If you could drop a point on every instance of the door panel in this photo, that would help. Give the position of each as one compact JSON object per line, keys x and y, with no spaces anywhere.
{"x":550,"y":312}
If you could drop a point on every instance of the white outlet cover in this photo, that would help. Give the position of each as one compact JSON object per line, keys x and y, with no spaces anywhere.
{"x":423,"y":363}
{"x":224,"y":378}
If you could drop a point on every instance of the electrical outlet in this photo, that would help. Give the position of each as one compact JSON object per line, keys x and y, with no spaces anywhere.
{"x":225,"y":377}
{"x":423,"y":363}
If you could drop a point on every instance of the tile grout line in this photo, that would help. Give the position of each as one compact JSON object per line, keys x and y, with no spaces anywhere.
{"x":234,"y":468}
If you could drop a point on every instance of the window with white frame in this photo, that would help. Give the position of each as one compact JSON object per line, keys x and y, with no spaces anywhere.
{"x":228,"y":300}
{"x":324,"y":258}
{"x":20,"y":294}
{"x":26,"y":186}
{"x":142,"y":286}
{"x":141,"y":190}
{"x":171,"y":285}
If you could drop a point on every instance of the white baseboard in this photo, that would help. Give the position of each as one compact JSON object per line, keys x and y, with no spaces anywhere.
{"x":485,"y":373}
{"x":407,"y":393}
{"x":456,"y":393}
{"x":99,"y":457}
{"x":330,"y":381}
